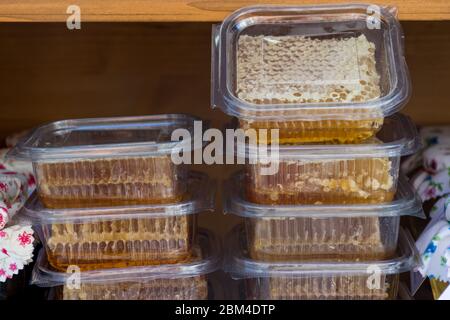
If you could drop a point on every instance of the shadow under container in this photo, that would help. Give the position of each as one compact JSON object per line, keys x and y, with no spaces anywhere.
{"x":324,"y":232}
{"x":320,"y":280}
{"x":12,"y":288}
{"x":327,"y":73}
{"x":119,"y":237}
{"x":106,"y":161}
{"x":187,"y":280}
{"x":330,"y":174}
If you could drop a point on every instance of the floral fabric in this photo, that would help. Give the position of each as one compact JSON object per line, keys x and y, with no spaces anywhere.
{"x":434,"y":242}
{"x":23,"y":167}
{"x":16,"y":241}
{"x":16,"y":250}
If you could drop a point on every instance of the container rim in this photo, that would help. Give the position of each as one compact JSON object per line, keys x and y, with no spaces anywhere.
{"x":406,"y":202}
{"x":27,"y":149}
{"x":388,"y":104}
{"x":200,"y":186}
{"x":240,"y":266}
{"x":208,"y":260}
{"x":399,"y":137}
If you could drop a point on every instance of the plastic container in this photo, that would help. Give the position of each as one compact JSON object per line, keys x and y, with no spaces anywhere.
{"x":332,"y":232}
{"x":331,"y":174}
{"x":301,"y":280}
{"x":106,"y":161}
{"x":118,"y":237}
{"x":181,"y":281}
{"x":327,"y":73}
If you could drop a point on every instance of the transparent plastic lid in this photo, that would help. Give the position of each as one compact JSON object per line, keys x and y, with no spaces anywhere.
{"x":103,"y":137}
{"x":406,"y":202}
{"x":398,"y":137}
{"x":240,"y":266}
{"x":206,"y":259}
{"x":309,"y":62}
{"x":200,"y":198}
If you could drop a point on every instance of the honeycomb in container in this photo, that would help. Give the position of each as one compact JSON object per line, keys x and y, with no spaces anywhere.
{"x":334,"y":287}
{"x":346,"y":181}
{"x":306,"y":70}
{"x":281,"y":239}
{"x":190,"y":288}
{"x":120,"y":243}
{"x":107,"y":182}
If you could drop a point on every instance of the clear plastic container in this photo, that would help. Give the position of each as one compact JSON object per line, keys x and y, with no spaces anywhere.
{"x":118,"y":237}
{"x":325,"y":232}
{"x":181,"y":281}
{"x":106,"y":161}
{"x":331,"y":174}
{"x":327,"y":73}
{"x":301,"y":280}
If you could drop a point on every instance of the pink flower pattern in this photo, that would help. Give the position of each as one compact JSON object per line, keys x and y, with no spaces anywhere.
{"x":16,"y":250}
{"x":24,"y":238}
{"x":16,"y":241}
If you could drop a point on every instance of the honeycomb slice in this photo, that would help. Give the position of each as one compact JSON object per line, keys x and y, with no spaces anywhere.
{"x":120,"y":243}
{"x":107,"y":182}
{"x":298,"y":69}
{"x":334,"y":287}
{"x":335,"y":238}
{"x":346,"y":181}
{"x":304,"y":70}
{"x":190,"y":288}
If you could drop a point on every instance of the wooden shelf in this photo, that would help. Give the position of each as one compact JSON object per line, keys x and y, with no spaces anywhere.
{"x":181,"y":10}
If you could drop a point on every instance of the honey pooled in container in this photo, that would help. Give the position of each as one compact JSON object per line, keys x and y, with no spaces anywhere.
{"x":120,"y":243}
{"x":283,"y":70}
{"x":189,"y":288}
{"x":334,"y":181}
{"x":109,"y":182}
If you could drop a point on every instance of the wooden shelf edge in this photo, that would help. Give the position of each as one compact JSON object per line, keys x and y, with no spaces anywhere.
{"x":182,"y":10}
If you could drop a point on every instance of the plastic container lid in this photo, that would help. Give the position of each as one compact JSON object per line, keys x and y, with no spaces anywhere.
{"x":398,"y":137}
{"x":207,"y":259}
{"x":103,"y":137}
{"x":201,"y":197}
{"x":346,"y":23}
{"x":406,"y":202}
{"x":241,"y":267}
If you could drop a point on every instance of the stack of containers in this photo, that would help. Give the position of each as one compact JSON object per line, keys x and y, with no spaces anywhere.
{"x":330,"y":79}
{"x":112,"y":206}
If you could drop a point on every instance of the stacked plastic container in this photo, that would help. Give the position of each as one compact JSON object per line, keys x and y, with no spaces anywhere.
{"x":325,"y":224}
{"x":113,"y":207}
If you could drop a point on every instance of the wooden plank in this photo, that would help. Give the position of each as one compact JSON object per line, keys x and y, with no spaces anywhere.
{"x":182,"y":10}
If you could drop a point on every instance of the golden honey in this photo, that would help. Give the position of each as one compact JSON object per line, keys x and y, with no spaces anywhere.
{"x":188,"y":288}
{"x":120,"y":243}
{"x":109,"y":182}
{"x":334,"y":181}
